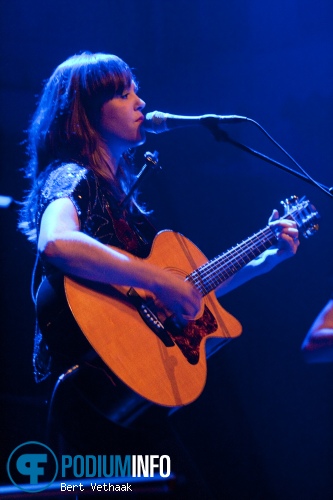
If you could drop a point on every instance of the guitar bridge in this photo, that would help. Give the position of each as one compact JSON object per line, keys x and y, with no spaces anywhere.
{"x":149,"y":317}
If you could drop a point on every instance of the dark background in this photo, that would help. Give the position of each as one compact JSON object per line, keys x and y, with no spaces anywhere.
{"x":263,"y":427}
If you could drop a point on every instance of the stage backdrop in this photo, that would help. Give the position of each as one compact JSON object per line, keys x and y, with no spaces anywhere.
{"x":263,"y":426}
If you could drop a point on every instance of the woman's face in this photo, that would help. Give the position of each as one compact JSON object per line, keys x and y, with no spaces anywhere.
{"x":122,"y":119}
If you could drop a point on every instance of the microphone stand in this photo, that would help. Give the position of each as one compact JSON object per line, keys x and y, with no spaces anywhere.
{"x":222,"y":136}
{"x":150,"y":166}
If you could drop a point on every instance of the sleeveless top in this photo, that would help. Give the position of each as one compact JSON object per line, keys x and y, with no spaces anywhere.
{"x":59,"y":343}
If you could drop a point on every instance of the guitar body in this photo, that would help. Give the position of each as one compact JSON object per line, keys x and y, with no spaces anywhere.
{"x":170,"y":368}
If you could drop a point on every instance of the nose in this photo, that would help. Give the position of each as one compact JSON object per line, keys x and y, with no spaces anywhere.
{"x":141,"y":104}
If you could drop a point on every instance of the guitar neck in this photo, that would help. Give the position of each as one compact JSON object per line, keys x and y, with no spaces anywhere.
{"x":214,"y":272}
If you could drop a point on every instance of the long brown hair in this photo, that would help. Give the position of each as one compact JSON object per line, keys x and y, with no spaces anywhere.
{"x":64,"y":127}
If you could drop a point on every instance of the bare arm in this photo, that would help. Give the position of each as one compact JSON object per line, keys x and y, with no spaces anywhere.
{"x":318,"y":344}
{"x":63,"y":244}
{"x":287,"y":235}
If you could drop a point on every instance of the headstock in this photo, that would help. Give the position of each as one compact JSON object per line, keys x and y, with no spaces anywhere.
{"x":303,"y":213}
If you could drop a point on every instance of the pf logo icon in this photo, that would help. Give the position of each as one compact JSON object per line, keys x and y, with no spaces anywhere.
{"x":32,"y":466}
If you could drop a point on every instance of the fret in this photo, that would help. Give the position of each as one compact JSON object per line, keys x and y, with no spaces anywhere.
{"x":214,"y":272}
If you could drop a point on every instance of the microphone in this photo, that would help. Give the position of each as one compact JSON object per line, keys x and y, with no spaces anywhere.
{"x":157,"y":122}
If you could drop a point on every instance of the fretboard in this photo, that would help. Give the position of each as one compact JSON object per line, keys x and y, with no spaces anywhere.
{"x":214,"y":272}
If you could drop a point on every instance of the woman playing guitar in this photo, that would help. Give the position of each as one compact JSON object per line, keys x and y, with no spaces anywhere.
{"x":88,"y":119}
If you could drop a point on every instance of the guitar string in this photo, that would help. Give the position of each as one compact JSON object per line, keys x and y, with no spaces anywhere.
{"x":202,"y":277}
{"x":211,"y":274}
{"x":221,"y":270}
{"x":251,"y":250}
{"x":225,"y":272}
{"x":205,"y":276}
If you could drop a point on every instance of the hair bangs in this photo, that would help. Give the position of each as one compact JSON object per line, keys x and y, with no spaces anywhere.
{"x":105,"y":76}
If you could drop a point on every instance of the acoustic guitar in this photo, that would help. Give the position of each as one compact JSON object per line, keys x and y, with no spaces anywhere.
{"x":162,"y":361}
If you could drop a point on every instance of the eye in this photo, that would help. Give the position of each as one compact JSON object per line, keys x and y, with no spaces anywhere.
{"x":124,"y":96}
